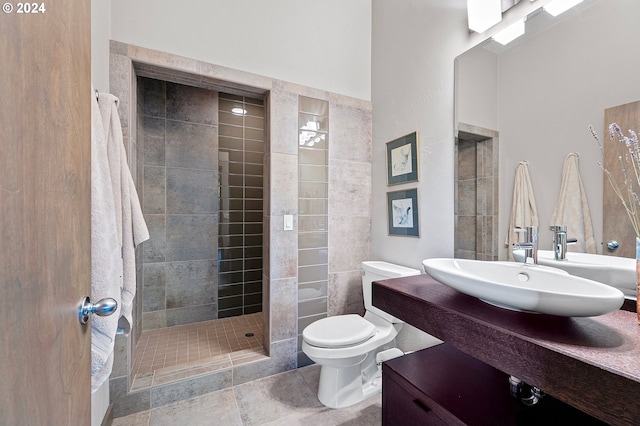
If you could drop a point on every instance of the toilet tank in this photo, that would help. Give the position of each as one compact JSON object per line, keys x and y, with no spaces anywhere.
{"x":376,"y":271}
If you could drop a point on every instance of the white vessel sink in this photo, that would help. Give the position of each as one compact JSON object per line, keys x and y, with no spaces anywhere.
{"x":530,"y":288}
{"x":619,"y":272}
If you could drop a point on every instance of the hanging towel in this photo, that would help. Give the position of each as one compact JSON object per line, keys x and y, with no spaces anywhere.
{"x":127,"y":230}
{"x":572,"y":208}
{"x":523,"y":211}
{"x":132,"y":228}
{"x":106,"y":259}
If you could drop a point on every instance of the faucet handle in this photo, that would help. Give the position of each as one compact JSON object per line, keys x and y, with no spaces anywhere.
{"x":558,"y":228}
{"x":531,"y":232}
{"x":527,"y":229}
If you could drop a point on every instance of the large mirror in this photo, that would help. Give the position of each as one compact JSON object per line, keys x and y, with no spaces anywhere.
{"x":538,"y":95}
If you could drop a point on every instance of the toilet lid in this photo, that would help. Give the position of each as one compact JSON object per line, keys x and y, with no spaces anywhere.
{"x":338,"y":331}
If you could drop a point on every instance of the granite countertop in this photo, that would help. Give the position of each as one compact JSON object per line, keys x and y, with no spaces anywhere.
{"x":592,"y":363}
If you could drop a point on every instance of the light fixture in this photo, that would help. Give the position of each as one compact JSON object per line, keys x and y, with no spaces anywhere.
{"x":483,"y":14}
{"x":510,"y":33}
{"x":238,"y":111}
{"x":556,"y":7}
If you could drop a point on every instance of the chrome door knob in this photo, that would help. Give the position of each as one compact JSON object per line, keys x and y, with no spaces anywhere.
{"x":612,"y":245}
{"x":103,"y":308}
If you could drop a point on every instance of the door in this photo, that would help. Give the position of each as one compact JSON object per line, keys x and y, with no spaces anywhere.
{"x":616,"y":224}
{"x":45,"y":195}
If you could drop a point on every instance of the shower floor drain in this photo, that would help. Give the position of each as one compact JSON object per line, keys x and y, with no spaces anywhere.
{"x":249,"y":334}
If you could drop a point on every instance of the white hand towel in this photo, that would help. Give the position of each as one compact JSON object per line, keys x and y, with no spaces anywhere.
{"x":106,"y":260}
{"x":572,"y":208}
{"x":132,"y":227}
{"x":523,"y":210}
{"x":122,"y":226}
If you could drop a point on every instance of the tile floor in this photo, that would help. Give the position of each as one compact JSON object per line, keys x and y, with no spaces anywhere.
{"x":186,"y":344}
{"x":283,"y":399}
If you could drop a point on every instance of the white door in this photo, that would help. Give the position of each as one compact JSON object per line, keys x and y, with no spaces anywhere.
{"x":45,"y":85}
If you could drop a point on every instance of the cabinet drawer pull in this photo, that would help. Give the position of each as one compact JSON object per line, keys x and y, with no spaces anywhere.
{"x":421,"y":405}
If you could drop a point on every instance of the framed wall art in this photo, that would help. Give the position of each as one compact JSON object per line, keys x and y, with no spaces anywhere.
{"x":402,"y":212}
{"x":402,"y":159}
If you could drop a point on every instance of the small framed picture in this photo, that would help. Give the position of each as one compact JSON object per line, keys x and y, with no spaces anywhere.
{"x":402,"y":159}
{"x":402,"y":211}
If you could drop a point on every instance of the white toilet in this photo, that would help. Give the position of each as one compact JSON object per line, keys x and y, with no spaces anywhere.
{"x":346,"y":346}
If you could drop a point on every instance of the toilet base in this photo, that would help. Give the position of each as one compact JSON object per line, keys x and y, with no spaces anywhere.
{"x":343,"y":387}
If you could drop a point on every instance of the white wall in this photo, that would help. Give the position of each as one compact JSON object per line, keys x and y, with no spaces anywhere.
{"x":322,"y":44}
{"x":100,"y":34}
{"x":477,"y":79}
{"x":414,"y":44}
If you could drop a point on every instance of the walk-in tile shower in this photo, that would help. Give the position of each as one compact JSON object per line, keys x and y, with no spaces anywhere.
{"x":202,"y":198}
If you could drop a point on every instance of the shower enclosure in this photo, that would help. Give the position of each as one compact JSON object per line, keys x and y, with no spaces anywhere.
{"x":202,"y":198}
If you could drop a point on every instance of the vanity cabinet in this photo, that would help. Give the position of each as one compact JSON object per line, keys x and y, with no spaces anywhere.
{"x":444,"y":386}
{"x":591,"y":363}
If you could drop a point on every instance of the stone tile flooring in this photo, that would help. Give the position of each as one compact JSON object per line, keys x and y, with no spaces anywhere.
{"x":283,"y":399}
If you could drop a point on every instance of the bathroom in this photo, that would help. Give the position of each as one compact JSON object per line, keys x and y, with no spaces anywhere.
{"x":391,"y":56}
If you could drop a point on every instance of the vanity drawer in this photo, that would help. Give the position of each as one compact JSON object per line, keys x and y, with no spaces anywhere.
{"x":401,"y":408}
{"x":442,"y":385}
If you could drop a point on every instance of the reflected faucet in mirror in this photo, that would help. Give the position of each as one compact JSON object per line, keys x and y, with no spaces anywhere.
{"x":530,"y":244}
{"x":560,"y":241}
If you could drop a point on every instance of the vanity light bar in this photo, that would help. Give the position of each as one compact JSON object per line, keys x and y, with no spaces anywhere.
{"x":483,"y":14}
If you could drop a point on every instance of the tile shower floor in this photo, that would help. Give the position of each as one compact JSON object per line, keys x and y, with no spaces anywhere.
{"x":189,"y":344}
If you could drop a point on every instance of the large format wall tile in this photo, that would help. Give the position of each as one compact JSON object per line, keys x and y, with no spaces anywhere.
{"x":350,"y":188}
{"x":155,"y":98}
{"x":191,"y":283}
{"x":154,"y":135}
{"x":179,"y":316}
{"x":193,"y":104}
{"x":350,"y":129}
{"x":345,"y":293}
{"x":191,"y":237}
{"x":155,"y":248}
{"x":154,"y":287}
{"x":191,"y":191}
{"x":283,"y":309}
{"x":191,"y":145}
{"x":349,"y":243}
{"x":154,"y":190}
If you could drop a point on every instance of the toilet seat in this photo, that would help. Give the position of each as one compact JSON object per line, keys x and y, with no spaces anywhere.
{"x":339,"y":331}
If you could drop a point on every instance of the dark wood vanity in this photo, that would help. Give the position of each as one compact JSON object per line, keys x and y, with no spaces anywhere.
{"x":592,"y":364}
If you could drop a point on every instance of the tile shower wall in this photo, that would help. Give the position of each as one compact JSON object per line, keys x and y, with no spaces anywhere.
{"x":241,"y":157}
{"x":180,"y":203}
{"x":476,"y":196}
{"x":466,"y":188}
{"x":313,"y":213}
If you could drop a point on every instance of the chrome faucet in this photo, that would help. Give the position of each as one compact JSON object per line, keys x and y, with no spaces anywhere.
{"x":530,"y":245}
{"x":560,"y":241}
